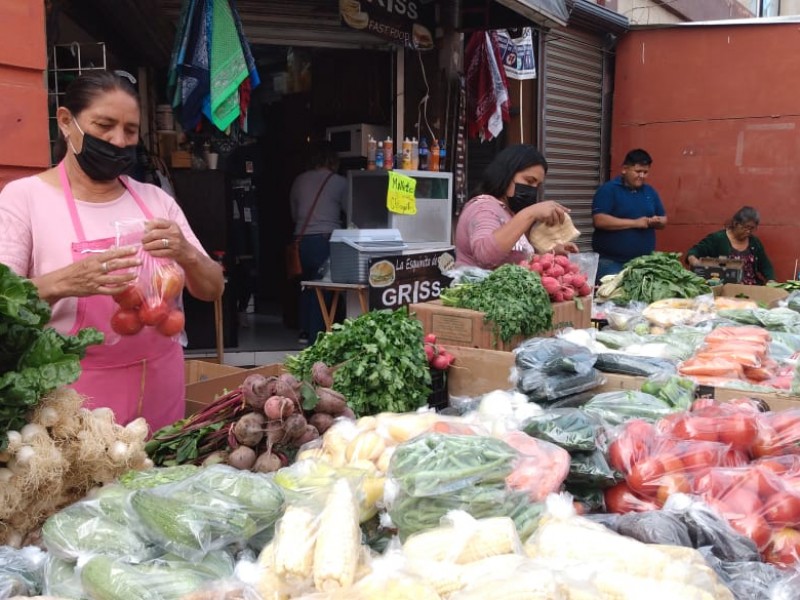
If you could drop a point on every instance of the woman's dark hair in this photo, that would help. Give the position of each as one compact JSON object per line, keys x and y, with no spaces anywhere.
{"x":81,"y":92}
{"x":324,"y":155}
{"x":746,"y":214}
{"x":510,"y":161}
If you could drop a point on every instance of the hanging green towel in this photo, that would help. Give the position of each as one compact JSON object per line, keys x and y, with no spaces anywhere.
{"x":228,"y":66}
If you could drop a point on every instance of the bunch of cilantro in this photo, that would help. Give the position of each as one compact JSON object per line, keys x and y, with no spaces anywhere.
{"x":379,"y":359}
{"x":512,"y":298}
{"x":34,"y":359}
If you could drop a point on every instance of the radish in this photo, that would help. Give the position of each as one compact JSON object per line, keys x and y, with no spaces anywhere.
{"x":556,"y":271}
{"x":547,"y":261}
{"x":568,"y":293}
{"x":573,"y":268}
{"x":429,"y":352}
{"x":430,"y":338}
{"x":558,"y":296}
{"x":585,"y":290}
{"x":440,"y":362}
{"x":578,"y":280}
{"x":567,"y":279}
{"x":537,"y":268}
{"x":562,"y":261}
{"x":550,"y":285}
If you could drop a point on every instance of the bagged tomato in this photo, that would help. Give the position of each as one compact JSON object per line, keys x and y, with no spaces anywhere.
{"x":778,"y":434}
{"x":154,"y":298}
{"x":541,"y":468}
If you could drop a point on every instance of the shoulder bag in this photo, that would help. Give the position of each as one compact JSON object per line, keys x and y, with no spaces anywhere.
{"x":294,"y":268}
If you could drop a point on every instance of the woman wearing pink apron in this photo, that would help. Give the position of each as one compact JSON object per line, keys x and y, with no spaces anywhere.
{"x":58,"y":231}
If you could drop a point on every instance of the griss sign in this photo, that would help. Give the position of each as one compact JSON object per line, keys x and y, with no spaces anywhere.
{"x":407,"y":22}
{"x":396,"y":281}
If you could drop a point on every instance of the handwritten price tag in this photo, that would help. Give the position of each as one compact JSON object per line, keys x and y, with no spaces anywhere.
{"x":400,"y":197}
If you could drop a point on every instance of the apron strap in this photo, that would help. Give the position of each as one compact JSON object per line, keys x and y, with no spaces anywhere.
{"x":73,"y":208}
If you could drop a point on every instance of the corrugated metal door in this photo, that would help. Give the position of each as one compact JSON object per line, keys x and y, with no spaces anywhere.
{"x":572,"y":128}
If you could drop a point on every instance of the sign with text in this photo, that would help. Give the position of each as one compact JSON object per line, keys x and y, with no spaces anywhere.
{"x":407,"y":22}
{"x":400,"y":197}
{"x":396,"y":281}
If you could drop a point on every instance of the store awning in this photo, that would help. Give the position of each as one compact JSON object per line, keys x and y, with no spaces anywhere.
{"x":544,"y":12}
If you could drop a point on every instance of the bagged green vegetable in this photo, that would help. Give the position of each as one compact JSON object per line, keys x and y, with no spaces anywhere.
{"x":614,"y":408}
{"x":570,"y":428}
{"x":20,"y":571}
{"x":166,"y":578}
{"x":61,"y":578}
{"x":636,"y":366}
{"x":676,"y":391}
{"x":590,"y":470}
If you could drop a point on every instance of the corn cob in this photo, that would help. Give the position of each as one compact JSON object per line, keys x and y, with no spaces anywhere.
{"x":269,"y":584}
{"x":444,"y":577}
{"x":490,"y":537}
{"x":338,"y":544}
{"x":525,"y":584}
{"x":295,"y":537}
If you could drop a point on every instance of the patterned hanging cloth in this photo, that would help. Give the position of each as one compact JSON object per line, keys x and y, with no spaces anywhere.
{"x":228,"y":67}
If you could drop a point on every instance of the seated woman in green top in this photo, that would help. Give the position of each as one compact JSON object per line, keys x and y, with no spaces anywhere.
{"x":737,"y":241}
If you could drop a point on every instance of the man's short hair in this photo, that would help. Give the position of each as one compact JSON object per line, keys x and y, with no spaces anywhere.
{"x":637,"y":157}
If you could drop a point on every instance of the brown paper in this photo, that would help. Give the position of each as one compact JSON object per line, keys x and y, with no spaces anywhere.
{"x":544,"y":238}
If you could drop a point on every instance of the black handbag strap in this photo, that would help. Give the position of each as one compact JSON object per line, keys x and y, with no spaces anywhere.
{"x":313,"y":207}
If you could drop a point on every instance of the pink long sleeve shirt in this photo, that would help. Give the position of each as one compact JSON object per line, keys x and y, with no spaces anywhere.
{"x":36,"y":232}
{"x":476,"y":245}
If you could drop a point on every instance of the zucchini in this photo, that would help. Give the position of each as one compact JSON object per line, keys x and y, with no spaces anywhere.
{"x":614,"y":408}
{"x":190,"y":524}
{"x":638,"y":366}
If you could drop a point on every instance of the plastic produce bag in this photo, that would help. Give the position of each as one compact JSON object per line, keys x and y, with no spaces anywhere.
{"x":166,"y":578}
{"x":20,"y":571}
{"x":218,"y":506}
{"x":154,"y":298}
{"x":591,"y":470}
{"x":435,"y":473}
{"x":541,"y":467}
{"x":637,"y":366}
{"x":615,"y":408}
{"x":676,"y":391}
{"x":570,"y":428}
{"x":587,"y":262}
{"x":754,"y":580}
{"x":548,"y":369}
{"x":627,"y":318}
{"x":655,"y":527}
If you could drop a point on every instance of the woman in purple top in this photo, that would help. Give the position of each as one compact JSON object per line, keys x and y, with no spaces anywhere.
{"x":493,"y":226}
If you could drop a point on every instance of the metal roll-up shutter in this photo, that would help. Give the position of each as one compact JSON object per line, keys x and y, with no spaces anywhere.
{"x":294,"y":23}
{"x":572,"y":123}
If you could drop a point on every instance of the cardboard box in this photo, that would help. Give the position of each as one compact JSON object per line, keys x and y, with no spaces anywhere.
{"x":462,"y":327}
{"x":478,"y":371}
{"x":726,"y":270}
{"x":763,"y":294}
{"x":201,"y":393}
{"x":201,"y":370}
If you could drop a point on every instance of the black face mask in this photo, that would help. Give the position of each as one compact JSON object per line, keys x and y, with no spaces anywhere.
{"x":103,"y":161}
{"x":524,"y":196}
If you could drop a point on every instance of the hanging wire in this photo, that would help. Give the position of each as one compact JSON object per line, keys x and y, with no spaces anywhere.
{"x":422,"y":111}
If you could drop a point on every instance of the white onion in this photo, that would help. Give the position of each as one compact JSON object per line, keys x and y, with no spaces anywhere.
{"x":103,"y":414}
{"x":22,"y":459}
{"x":6,"y":475}
{"x":14,"y":441}
{"x":138,"y":428}
{"x":118,"y":452}
{"x":48,"y":416}
{"x":32,"y":432}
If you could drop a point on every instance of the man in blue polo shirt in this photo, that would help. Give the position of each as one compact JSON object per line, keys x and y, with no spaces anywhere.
{"x":626,"y":212}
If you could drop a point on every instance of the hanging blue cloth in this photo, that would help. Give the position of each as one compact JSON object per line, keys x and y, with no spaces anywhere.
{"x":255,"y":80}
{"x":193,"y":76}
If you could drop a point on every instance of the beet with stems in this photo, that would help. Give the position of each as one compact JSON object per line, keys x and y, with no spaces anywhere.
{"x":267,"y":462}
{"x":330,"y":402}
{"x":321,"y":374}
{"x":255,"y":390}
{"x":249,"y":429}
{"x":279,"y":407}
{"x":321,"y":421}
{"x":308,"y":434}
{"x":294,"y":425}
{"x":242,"y":458}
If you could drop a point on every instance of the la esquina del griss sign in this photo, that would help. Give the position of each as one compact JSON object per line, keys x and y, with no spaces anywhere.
{"x":396,"y":281}
{"x":407,"y":22}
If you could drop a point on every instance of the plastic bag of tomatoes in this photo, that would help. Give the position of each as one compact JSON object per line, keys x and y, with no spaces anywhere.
{"x":155,"y":298}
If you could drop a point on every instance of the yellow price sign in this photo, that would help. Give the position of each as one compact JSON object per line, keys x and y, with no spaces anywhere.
{"x":400,"y":197}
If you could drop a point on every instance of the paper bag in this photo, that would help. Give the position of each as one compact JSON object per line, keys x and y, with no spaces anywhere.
{"x":544,"y":238}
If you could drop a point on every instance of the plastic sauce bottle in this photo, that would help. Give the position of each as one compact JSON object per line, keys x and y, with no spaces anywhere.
{"x":406,"y":164}
{"x":372,"y":149}
{"x":414,"y":154}
{"x":379,"y":156}
{"x":388,"y":154}
{"x":423,"y":154}
{"x":433,"y":159}
{"x":442,"y":157}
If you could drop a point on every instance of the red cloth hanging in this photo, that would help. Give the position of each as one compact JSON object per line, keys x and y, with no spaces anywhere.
{"x":487,"y":87}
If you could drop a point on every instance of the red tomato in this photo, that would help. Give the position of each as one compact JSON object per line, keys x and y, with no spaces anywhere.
{"x":621,"y":499}
{"x":646,"y":476}
{"x":152,"y":313}
{"x":715,"y":483}
{"x":126,"y":322}
{"x":740,"y":502}
{"x":734,"y":458}
{"x":130,"y":297}
{"x":696,"y":428}
{"x":632,"y":446}
{"x":784,"y":547}
{"x":672,"y":483}
{"x":665,"y":425}
{"x":766,"y":442}
{"x":785,"y":419}
{"x":771,"y":464}
{"x":702,"y":403}
{"x":783,"y":508}
{"x":761,"y":481}
{"x":755,"y":527}
{"x":168,"y":281}
{"x":700,"y":455}
{"x":738,"y":430}
{"x":173,"y":324}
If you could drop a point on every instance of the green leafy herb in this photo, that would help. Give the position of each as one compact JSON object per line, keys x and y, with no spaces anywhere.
{"x":512,"y":298}
{"x":34,"y":359}
{"x":380,"y":358}
{"x":653,"y":277}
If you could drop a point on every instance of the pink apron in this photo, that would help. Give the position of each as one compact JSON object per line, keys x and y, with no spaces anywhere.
{"x":138,"y":376}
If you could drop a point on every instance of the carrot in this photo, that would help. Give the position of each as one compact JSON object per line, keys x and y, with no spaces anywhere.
{"x":715,"y":367}
{"x":742,"y":357}
{"x":756,"y":334}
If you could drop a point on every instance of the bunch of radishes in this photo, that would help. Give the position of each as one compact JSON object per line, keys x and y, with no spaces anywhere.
{"x":438,"y":357}
{"x":561,"y":278}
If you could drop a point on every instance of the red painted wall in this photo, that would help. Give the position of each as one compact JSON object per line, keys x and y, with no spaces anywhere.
{"x":717,"y":108}
{"x":24,"y":141}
